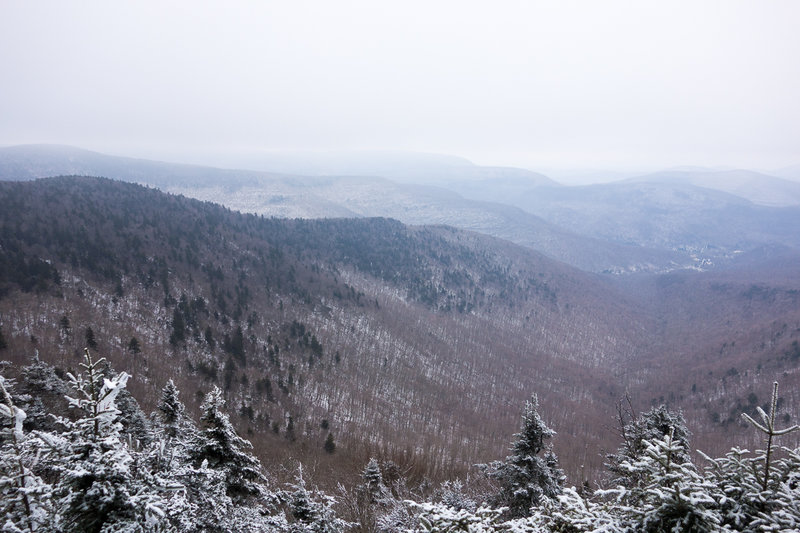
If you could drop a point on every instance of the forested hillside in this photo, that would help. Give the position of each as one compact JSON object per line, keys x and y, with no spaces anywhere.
{"x":334,"y":341}
{"x":375,"y":327}
{"x":415,"y":342}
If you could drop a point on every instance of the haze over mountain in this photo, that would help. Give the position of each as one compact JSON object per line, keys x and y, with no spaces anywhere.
{"x":790,"y":172}
{"x":272,"y":194}
{"x":759,"y":188}
{"x":645,"y":224}
{"x":665,"y":215}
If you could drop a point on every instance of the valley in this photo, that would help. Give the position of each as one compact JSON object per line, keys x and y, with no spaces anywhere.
{"x":414,"y":342}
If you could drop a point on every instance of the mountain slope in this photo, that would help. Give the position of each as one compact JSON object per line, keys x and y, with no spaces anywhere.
{"x":414,"y":343}
{"x":371,"y":325}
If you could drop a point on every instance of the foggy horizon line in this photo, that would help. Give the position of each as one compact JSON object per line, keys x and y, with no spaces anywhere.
{"x":257,"y":160}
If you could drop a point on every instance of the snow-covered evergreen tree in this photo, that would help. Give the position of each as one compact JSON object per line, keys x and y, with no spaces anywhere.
{"x":735,"y":476}
{"x":24,"y":497}
{"x":222,"y":449}
{"x":570,"y":512}
{"x":171,"y":410}
{"x":213,"y":495}
{"x":174,"y":431}
{"x":452,"y":495}
{"x":769,"y":429}
{"x":40,"y":390}
{"x":96,"y":488}
{"x":373,"y":481}
{"x":652,"y":425}
{"x":749,"y":507}
{"x":671,"y":495}
{"x":311,"y":510}
{"x":526,"y":477}
{"x":783,"y":511}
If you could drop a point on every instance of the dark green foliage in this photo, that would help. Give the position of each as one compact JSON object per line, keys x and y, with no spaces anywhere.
{"x":209,"y":337}
{"x":178,"y":335}
{"x":28,"y":273}
{"x":316,"y":346}
{"x":209,"y":371}
{"x":234,"y":345}
{"x":228,"y":373}
{"x":793,"y":353}
{"x":264,"y":386}
{"x":64,"y":324}
{"x":3,"y":343}
{"x":290,"y":429}
{"x":329,"y":445}
{"x":91,"y":342}
{"x":134,"y":346}
{"x":223,"y":450}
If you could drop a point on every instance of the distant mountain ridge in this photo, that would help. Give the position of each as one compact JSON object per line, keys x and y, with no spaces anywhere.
{"x":337,"y":196}
{"x":27,"y":162}
{"x":679,"y":219}
{"x":759,"y":188}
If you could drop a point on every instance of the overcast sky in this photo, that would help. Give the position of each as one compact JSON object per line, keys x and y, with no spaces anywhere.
{"x":572,"y":84}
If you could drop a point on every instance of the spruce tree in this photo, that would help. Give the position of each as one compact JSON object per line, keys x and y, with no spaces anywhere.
{"x":330,"y":445}
{"x":41,"y":394}
{"x":671,"y":495}
{"x":97,"y":489}
{"x":655,"y":424}
{"x":311,"y":511}
{"x":178,"y":335}
{"x":373,"y":480}
{"x":134,"y":346}
{"x":531,"y":472}
{"x":770,"y":431}
{"x":171,"y":411}
{"x":91,"y":342}
{"x":222,"y":449}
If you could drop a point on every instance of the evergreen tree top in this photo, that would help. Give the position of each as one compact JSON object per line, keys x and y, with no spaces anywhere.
{"x":170,"y":406}
{"x":533,"y":432}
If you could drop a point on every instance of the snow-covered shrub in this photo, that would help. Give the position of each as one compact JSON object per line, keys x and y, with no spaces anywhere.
{"x":569,"y":512}
{"x":438,"y":518}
